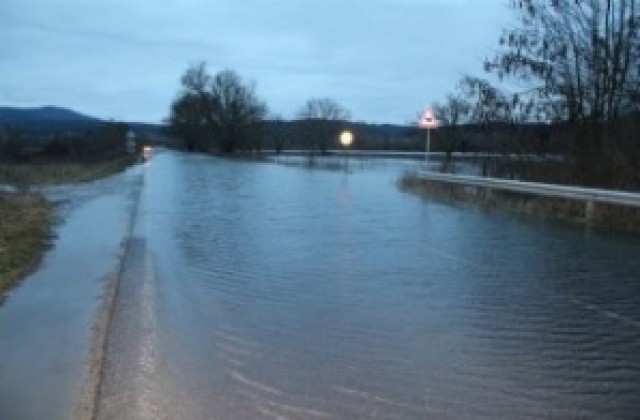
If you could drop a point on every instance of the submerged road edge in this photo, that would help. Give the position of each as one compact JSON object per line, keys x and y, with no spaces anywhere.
{"x":87,"y":406}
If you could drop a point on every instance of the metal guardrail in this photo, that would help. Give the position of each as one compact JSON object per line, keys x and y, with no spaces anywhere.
{"x":363,"y":153}
{"x":589,"y":195}
{"x":412,"y":154}
{"x":8,"y":189}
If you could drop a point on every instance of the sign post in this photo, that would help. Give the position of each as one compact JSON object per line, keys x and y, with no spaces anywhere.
{"x":130,"y":144}
{"x":427,"y":122}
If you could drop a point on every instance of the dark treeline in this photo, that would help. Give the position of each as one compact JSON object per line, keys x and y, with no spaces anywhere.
{"x":220,"y":113}
{"x":534,"y":138}
{"x":91,"y":139}
{"x":58,"y":134}
{"x":578,"y":67}
{"x":69,"y":141}
{"x":579,"y":63}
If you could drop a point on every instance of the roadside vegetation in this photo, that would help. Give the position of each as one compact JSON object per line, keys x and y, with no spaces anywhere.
{"x":27,"y":161}
{"x":578,"y":94}
{"x":22,"y":175}
{"x":25,"y":221}
{"x":28,"y":158}
{"x":571,"y":114}
{"x":26,"y":217}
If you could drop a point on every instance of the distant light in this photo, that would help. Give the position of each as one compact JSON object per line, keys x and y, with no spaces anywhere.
{"x":147,"y":152}
{"x":346,"y":138}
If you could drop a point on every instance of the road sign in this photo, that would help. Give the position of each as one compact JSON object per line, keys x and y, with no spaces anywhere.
{"x":427,"y":122}
{"x":130,"y":144}
{"x":428,"y":119}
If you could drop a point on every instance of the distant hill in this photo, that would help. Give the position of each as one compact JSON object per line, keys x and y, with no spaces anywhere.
{"x":45,"y":113}
{"x":49,"y":120}
{"x":46,"y":120}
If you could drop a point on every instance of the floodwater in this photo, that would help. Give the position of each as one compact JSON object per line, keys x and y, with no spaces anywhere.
{"x":46,"y":321}
{"x":279,"y":291}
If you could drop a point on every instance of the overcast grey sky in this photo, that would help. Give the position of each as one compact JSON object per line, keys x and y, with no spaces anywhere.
{"x":122,"y":59}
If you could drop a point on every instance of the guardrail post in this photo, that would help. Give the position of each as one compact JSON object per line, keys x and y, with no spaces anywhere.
{"x":486,"y":193}
{"x":589,"y":211}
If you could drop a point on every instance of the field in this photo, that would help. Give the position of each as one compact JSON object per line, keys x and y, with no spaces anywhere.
{"x":51,"y":173}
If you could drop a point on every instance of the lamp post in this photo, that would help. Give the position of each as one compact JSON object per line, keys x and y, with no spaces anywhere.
{"x":346,"y":139}
{"x":427,"y":122}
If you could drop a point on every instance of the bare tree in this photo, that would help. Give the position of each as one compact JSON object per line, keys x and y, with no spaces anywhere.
{"x":324,"y":109}
{"x":581,"y":62}
{"x":216,"y":110}
{"x":196,"y":79}
{"x":236,"y":112}
{"x":189,"y":121}
{"x":322,"y":118}
{"x":581,"y":57}
{"x":451,"y":114}
{"x":487,"y":103}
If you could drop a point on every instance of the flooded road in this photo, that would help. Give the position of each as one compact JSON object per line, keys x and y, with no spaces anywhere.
{"x":257,"y":290}
{"x":46,"y":321}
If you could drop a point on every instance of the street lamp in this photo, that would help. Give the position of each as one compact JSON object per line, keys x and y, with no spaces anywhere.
{"x":346,"y":139}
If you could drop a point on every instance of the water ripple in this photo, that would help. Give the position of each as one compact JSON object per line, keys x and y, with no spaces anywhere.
{"x":304,"y":294}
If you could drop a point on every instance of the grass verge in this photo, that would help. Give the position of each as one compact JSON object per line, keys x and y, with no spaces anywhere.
{"x":26,"y":217}
{"x":51,"y":173}
{"x":25,"y":221}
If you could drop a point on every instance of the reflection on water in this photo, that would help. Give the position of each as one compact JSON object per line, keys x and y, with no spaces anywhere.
{"x":305,"y":293}
{"x":342,"y":162}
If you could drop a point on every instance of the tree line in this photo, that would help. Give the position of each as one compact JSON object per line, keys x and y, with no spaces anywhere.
{"x":577,"y":68}
{"x":102,"y":141}
{"x":579,"y":64}
{"x":223,"y":113}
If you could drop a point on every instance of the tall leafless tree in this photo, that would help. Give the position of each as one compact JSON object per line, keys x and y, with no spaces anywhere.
{"x":450,"y":115}
{"x":217,"y":110}
{"x":580,"y":56}
{"x":580,"y":60}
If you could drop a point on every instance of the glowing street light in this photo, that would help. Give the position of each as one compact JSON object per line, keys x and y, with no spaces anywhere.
{"x":346,"y":139}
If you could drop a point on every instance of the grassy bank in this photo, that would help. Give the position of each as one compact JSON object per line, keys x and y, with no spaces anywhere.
{"x":51,"y":173}
{"x":612,"y":217}
{"x":25,"y":221}
{"x":26,"y":217}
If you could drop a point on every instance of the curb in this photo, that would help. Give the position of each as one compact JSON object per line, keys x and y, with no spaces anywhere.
{"x":87,"y":407}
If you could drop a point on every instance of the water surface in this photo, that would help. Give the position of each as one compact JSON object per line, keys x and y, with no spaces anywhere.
{"x":283,"y":291}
